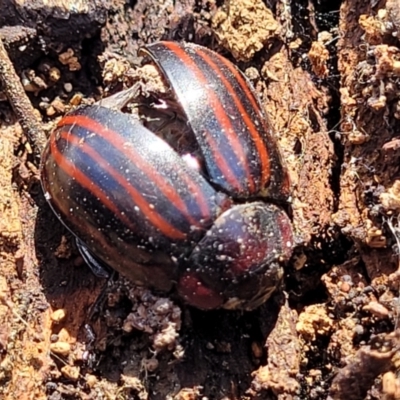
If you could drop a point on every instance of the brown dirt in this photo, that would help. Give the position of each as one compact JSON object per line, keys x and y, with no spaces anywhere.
{"x":328,"y":75}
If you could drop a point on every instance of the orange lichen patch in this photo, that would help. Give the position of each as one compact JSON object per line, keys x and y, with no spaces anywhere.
{"x":319,"y":55}
{"x":313,"y":322}
{"x":244,"y":26}
{"x":264,"y":379}
{"x":387,"y":61}
{"x":342,"y":340}
{"x":373,"y":28}
{"x":70,"y":59}
{"x":346,"y":99}
{"x":391,"y":198}
{"x":71,"y":372}
{"x":375,"y":237}
{"x":114,"y":70}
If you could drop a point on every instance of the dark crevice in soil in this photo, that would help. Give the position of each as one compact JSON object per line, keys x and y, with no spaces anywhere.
{"x":310,"y":19}
{"x":305,"y":286}
{"x":224,"y":340}
{"x":327,"y":19}
{"x":301,"y":21}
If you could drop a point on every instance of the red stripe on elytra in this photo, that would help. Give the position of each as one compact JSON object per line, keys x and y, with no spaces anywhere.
{"x":119,"y":142}
{"x":221,"y":117}
{"x":221,"y":161}
{"x":157,"y":220}
{"x":257,"y":139}
{"x":196,"y":194}
{"x":69,"y":168}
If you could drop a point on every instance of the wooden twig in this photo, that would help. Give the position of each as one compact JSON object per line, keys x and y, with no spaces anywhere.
{"x":21,"y":104}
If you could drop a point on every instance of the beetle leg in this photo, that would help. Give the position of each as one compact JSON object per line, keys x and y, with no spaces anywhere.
{"x":99,"y":268}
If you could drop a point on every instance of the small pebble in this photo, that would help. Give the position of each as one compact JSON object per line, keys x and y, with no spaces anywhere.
{"x":51,"y":386}
{"x":54,"y":338}
{"x":150,"y":365}
{"x":347,"y":278}
{"x":64,"y":335}
{"x":69,"y":58}
{"x":76,"y":99}
{"x":58,"y":105}
{"x":50,"y":111}
{"x":210,"y":346}
{"x":359,"y":329}
{"x":91,"y":380}
{"x":68,"y":87}
{"x":58,"y":315}
{"x":345,"y":287}
{"x":252,"y":73}
{"x":70,"y":372}
{"x":54,"y":74}
{"x":390,"y":385}
{"x":61,"y":348}
{"x":376,"y":309}
{"x":257,"y":349}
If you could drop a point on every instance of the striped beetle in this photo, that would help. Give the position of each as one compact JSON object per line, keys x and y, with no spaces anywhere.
{"x":135,"y":205}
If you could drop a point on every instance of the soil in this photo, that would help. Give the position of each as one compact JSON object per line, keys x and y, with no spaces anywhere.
{"x":327,"y":73}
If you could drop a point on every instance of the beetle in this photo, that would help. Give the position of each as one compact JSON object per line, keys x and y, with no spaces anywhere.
{"x":217,"y":234}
